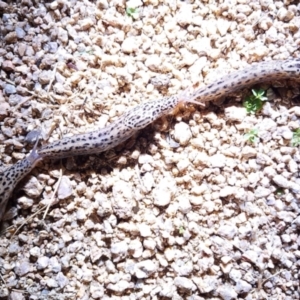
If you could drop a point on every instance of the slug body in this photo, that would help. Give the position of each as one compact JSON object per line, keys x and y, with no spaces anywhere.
{"x":256,"y":73}
{"x":141,"y":116}
{"x":114,"y":134}
{"x":144,"y":114}
{"x":10,"y":177}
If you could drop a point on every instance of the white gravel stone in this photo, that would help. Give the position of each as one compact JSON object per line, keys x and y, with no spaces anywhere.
{"x":202,"y":159}
{"x":65,"y":189}
{"x":149,"y":244}
{"x":218,"y":161}
{"x":182,"y":165}
{"x":148,"y":181}
{"x":184,"y":204}
{"x":248,"y":152}
{"x":23,"y":267}
{"x":62,"y":280}
{"x":134,"y":3}
{"x":122,"y":201}
{"x":227,"y":231}
{"x":145,"y":230}
{"x":120,"y":286}
{"x":183,"y":268}
{"x":86,"y":24}
{"x":182,"y":133}
{"x":45,"y":77}
{"x":206,"y":284}
{"x":292,"y":166}
{"x":164,"y":192}
{"x":285,"y":183}
{"x":185,"y":284}
{"x":226,"y":292}
{"x":243,"y":287}
{"x":62,"y":35}
{"x":35,"y":252}
{"x":80,"y":215}
{"x":25,"y":202}
{"x":262,"y":192}
{"x":145,"y":269}
{"x":168,"y":290}
{"x":51,"y":283}
{"x":184,"y":16}
{"x":235,"y":114}
{"x":235,"y":275}
{"x":285,"y":15}
{"x":251,"y":256}
{"x":154,"y":63}
{"x":227,"y":191}
{"x":130,"y":44}
{"x":42,"y":262}
{"x":136,"y":248}
{"x":170,"y":254}
{"x":119,"y":250}
{"x":54,"y":265}
{"x":103,"y":204}
{"x":10,"y":89}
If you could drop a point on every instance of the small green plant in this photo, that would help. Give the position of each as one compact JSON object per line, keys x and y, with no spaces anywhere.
{"x":132,"y":12}
{"x":181,"y":230}
{"x":279,"y":191}
{"x":296,"y":138}
{"x":254,"y":102}
{"x":251,"y":136}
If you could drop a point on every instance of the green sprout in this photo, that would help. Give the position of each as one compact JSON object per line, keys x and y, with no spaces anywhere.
{"x":251,"y":136}
{"x":181,"y":230}
{"x":279,"y":191}
{"x":132,"y":12}
{"x":254,"y":102}
{"x":296,"y":138}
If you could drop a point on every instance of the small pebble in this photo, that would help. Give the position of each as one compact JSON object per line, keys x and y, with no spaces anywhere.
{"x":20,"y":32}
{"x":145,"y":269}
{"x":33,"y":188}
{"x":10,"y":89}
{"x":226,"y":292}
{"x":164,"y":192}
{"x":65,"y":189}
{"x":217,"y":161}
{"x":8,"y":66}
{"x":184,"y":284}
{"x":182,"y":133}
{"x":235,"y":114}
{"x":23,"y":267}
{"x":42,"y":262}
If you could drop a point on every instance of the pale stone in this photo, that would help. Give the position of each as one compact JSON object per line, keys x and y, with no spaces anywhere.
{"x":182,"y":133}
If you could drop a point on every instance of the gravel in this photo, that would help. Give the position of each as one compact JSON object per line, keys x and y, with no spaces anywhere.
{"x":188,"y":209}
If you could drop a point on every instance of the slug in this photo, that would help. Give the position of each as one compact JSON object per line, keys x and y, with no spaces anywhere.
{"x":141,"y":116}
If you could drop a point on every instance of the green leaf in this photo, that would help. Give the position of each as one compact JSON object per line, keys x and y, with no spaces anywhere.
{"x":132,"y":12}
{"x":251,"y":136}
{"x":181,"y":230}
{"x":296,"y":138}
{"x":254,"y":102}
{"x":279,"y":191}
